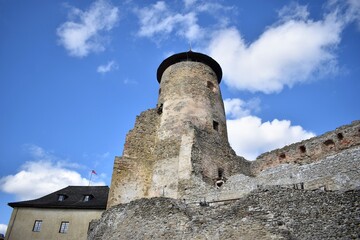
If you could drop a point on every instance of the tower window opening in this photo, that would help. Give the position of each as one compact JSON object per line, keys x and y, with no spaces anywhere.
{"x":215,"y":125}
{"x":160,"y":109}
{"x":282,"y":156}
{"x":220,"y":179}
{"x":159,"y":91}
{"x":220,"y":173}
{"x":211,"y":86}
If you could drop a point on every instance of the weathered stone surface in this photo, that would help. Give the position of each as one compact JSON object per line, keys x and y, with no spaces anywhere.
{"x":180,"y":142}
{"x":311,"y":150}
{"x":267,"y":213}
{"x":180,"y":150}
{"x":340,"y":171}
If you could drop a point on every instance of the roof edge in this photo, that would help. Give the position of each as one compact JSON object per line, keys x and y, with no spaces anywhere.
{"x":189,"y":56}
{"x":97,"y":207}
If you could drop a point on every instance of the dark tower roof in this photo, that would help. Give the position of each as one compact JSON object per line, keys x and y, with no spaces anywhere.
{"x":73,"y":198}
{"x":189,"y":56}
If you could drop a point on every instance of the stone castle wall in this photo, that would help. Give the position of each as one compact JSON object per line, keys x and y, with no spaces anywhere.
{"x":200,"y":165}
{"x":334,"y":167}
{"x":184,"y":139}
{"x":339,"y":172}
{"x":179,"y":178}
{"x":267,"y":213}
{"x":132,"y":172}
{"x":311,"y":150}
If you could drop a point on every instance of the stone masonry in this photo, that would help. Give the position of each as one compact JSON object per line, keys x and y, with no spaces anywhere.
{"x":178,"y":177}
{"x":267,"y":213}
{"x":181,"y":142}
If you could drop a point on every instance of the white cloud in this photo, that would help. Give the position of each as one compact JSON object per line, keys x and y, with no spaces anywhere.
{"x":159,"y":20}
{"x":213,"y":8}
{"x":80,"y":35}
{"x":296,"y":50}
{"x":128,"y":81}
{"x":237,"y":108}
{"x":45,"y":174}
{"x":189,"y":3}
{"x":249,"y":136}
{"x":3,"y":228}
{"x":354,"y":11}
{"x":111,"y":65}
{"x":347,"y":11}
{"x":293,"y":11}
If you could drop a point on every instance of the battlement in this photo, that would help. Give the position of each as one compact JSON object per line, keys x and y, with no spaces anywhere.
{"x":311,"y":150}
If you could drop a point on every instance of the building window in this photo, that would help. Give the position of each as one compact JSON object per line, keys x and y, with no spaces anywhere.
{"x":37,"y":225}
{"x":61,"y":197}
{"x":64,"y":227}
{"x":87,"y":198}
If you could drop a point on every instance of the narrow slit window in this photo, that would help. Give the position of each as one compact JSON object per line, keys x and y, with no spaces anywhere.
{"x":160,"y":109}
{"x":302,"y":149}
{"x":211,"y":86}
{"x":220,"y":173}
{"x":215,"y":125}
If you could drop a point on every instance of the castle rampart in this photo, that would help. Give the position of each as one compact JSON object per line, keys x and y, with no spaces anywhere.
{"x":311,"y":150}
{"x":334,"y":167}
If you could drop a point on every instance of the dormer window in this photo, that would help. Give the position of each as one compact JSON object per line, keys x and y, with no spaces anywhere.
{"x":87,"y":198}
{"x":61,"y":197}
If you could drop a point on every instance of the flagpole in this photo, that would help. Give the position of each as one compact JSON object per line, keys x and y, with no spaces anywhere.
{"x":90,"y":178}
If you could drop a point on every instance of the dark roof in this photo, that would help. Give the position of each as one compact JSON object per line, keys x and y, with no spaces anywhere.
{"x":74,"y":196}
{"x":189,"y":56}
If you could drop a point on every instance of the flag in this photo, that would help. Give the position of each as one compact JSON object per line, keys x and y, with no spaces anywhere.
{"x":93,"y":172}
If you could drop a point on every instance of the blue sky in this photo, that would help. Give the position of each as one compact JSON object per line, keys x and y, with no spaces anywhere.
{"x":74,"y":75}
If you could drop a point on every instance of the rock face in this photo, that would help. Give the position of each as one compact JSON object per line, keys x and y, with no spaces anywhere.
{"x":178,"y":157}
{"x":267,"y":213}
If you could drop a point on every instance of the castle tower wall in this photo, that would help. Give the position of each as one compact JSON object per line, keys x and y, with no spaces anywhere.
{"x":182,"y":144}
{"x":189,"y":93}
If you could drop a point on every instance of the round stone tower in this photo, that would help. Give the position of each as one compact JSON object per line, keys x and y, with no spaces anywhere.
{"x":177,"y":148}
{"x":189,"y":94}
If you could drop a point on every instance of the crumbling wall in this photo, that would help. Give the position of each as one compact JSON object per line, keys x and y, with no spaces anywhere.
{"x":311,"y":150}
{"x":267,"y":213}
{"x":200,"y":165}
{"x":132,"y":173}
{"x":214,"y":158}
{"x":336,"y":172}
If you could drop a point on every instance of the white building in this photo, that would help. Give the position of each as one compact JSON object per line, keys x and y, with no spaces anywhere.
{"x":64,"y":214}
